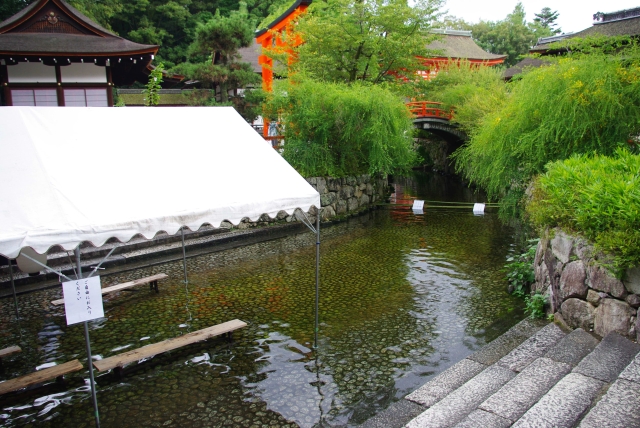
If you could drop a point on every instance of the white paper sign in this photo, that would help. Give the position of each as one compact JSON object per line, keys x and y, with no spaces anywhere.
{"x":82,"y":300}
{"x":417,"y":205}
{"x":478,"y":209}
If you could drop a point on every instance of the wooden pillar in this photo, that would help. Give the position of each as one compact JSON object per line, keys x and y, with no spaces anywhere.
{"x":110,"y":87}
{"x":59,"y":90}
{"x":4,"y":81}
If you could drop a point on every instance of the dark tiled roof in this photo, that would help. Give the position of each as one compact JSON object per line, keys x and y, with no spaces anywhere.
{"x":622,"y":27}
{"x":60,"y":44}
{"x":250,"y":54}
{"x":461,"y":46}
{"x":525,"y":63}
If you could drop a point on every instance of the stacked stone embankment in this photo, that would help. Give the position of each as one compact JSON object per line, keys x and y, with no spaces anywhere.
{"x":339,"y":198}
{"x":582,"y":292}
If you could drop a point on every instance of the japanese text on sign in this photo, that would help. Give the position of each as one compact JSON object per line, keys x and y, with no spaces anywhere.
{"x":82,"y":300}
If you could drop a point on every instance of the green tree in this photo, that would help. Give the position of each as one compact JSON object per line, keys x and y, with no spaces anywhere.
{"x":512,"y":36}
{"x":214,"y":55}
{"x":374,"y":41}
{"x":547,"y":19}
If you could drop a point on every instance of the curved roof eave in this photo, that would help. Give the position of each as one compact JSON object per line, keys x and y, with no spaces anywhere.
{"x":72,"y":12}
{"x":70,"y":44}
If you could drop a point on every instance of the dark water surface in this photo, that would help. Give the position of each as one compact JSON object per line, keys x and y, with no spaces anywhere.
{"x":403,"y":296}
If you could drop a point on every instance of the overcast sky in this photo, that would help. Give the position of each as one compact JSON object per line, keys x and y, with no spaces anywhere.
{"x":575,"y":15}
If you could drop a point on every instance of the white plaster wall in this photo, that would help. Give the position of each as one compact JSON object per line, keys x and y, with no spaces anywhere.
{"x":31,"y":72}
{"x":83,"y":73}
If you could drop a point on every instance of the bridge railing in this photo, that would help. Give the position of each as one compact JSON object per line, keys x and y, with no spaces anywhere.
{"x":429,"y":109}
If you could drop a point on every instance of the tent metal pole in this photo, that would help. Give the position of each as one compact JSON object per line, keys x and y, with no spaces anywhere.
{"x":13,"y":287}
{"x":315,"y":346}
{"x":184,"y":258}
{"x":88,"y":343}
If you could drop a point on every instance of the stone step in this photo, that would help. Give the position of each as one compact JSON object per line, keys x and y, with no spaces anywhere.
{"x":446,"y":382}
{"x":564,"y":404}
{"x":504,"y":344}
{"x":520,"y":393}
{"x":481,"y":419}
{"x":458,"y":374}
{"x":533,"y":348}
{"x":620,"y":407}
{"x":612,"y":355}
{"x":573,"y":347}
{"x":457,"y":406}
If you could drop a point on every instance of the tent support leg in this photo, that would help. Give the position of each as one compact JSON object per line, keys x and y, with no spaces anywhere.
{"x":315,"y":345}
{"x":13,"y":287}
{"x":184,"y":258}
{"x":88,"y":343}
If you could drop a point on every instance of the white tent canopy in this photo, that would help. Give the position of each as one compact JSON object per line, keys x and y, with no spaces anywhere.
{"x":70,"y":175}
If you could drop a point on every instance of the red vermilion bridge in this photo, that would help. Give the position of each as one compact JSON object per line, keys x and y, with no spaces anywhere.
{"x":430,"y":116}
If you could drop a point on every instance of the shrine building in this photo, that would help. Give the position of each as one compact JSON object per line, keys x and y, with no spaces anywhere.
{"x":52,"y":55}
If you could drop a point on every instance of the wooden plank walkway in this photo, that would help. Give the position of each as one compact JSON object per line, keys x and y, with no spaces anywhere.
{"x":151,"y":280}
{"x":120,"y":360}
{"x":9,"y":351}
{"x":40,"y":376}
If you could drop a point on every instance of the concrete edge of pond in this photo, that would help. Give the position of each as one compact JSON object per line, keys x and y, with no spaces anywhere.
{"x":136,"y":255}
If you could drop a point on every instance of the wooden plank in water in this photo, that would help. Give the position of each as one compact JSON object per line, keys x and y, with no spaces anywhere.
{"x":40,"y":376}
{"x":9,"y":351}
{"x":121,"y":360}
{"x":124,"y":285}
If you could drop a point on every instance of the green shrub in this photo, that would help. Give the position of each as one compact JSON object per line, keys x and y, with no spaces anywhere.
{"x":338,"y":130}
{"x":535,"y":304}
{"x":579,"y":104}
{"x":519,"y":269}
{"x":598,"y":196}
{"x":471,"y":91}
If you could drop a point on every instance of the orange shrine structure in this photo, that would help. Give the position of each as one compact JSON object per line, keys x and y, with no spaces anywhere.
{"x":454,"y":45}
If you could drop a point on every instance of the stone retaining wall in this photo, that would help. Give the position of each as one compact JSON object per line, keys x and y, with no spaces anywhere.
{"x":339,"y":197}
{"x":582,"y":293}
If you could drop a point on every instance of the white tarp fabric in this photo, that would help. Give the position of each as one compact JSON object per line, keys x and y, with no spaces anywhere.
{"x":89,"y":174}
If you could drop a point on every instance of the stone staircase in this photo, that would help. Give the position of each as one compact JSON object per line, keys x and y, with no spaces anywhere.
{"x":551,"y":379}
{"x":532,"y":376}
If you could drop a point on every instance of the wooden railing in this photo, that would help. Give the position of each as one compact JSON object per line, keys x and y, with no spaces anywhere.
{"x":429,"y":109}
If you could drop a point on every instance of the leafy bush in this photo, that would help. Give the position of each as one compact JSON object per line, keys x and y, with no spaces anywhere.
{"x":519,"y":269}
{"x":580,"y":104}
{"x":535,"y":305}
{"x":470,"y":90}
{"x":598,"y":196}
{"x":338,"y":130}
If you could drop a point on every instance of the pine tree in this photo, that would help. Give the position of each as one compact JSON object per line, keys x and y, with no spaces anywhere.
{"x":547,"y":19}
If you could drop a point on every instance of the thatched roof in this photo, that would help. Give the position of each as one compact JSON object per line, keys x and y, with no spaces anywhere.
{"x":460,"y":45}
{"x":250,"y":54}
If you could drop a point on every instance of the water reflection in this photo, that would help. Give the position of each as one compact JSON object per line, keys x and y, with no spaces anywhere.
{"x":402,"y":298}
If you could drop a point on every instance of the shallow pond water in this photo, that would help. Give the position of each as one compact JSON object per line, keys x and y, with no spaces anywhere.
{"x":403,"y":296}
